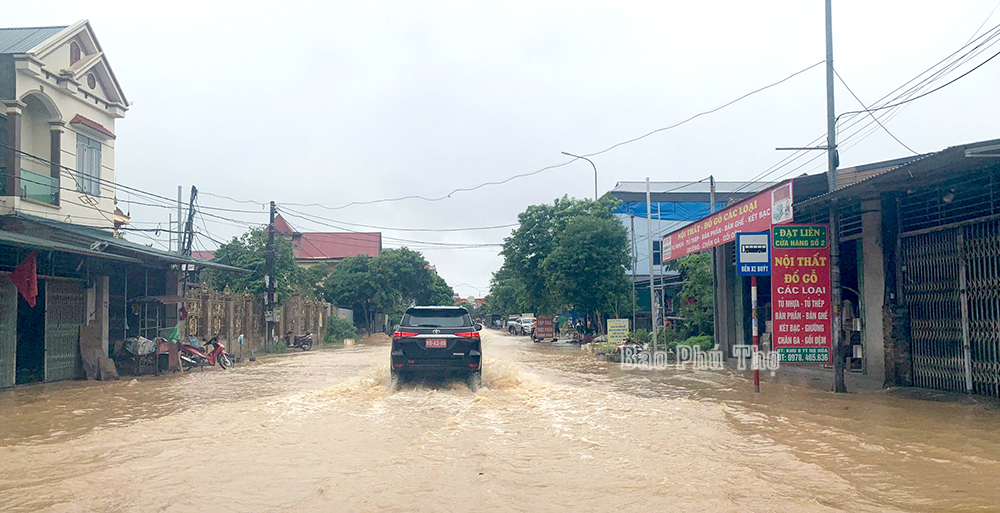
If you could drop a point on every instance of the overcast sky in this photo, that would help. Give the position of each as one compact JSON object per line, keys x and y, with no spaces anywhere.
{"x":334,"y":102}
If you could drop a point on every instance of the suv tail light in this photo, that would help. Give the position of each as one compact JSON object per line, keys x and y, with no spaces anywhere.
{"x":399,"y":334}
{"x":468,"y":334}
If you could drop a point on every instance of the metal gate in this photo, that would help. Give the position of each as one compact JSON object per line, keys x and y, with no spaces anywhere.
{"x":951,"y":282}
{"x":65,"y":311}
{"x":8,"y":332}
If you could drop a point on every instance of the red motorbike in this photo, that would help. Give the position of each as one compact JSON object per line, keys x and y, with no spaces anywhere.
{"x":196,"y":357}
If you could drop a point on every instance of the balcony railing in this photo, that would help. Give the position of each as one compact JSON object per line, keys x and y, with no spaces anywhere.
{"x":39,"y":187}
{"x":34,"y":186}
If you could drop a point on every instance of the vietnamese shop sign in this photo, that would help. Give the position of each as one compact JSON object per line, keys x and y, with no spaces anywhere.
{"x":755,"y":214}
{"x":800,"y":294}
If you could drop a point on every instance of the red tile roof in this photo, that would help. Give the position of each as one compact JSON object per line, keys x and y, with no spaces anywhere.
{"x":282,"y":226}
{"x":90,"y":123}
{"x":203,"y":255}
{"x":328,"y":245}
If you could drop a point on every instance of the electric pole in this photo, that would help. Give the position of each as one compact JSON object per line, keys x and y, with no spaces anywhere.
{"x":649,"y":243}
{"x":715,"y":268}
{"x":270,"y":256}
{"x":179,"y":229}
{"x":189,"y":229}
{"x":635,"y":258}
{"x":839,"y":384}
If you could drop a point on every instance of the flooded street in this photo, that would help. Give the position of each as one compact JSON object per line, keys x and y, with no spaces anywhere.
{"x":550,"y":430}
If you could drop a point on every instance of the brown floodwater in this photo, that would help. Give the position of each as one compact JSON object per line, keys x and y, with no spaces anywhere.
{"x":550,"y":430}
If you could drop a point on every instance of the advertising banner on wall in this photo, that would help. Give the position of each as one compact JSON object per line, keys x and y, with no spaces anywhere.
{"x":800,"y":294}
{"x":755,"y":214}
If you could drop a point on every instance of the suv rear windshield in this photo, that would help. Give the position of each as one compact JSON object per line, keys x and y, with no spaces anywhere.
{"x":433,"y":318}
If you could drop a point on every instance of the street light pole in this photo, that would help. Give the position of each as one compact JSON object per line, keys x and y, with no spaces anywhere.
{"x":592,"y":164}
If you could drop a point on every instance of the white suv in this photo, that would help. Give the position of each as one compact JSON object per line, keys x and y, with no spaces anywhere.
{"x":525,"y":325}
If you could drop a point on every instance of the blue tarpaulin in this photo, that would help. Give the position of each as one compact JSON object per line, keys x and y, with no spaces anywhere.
{"x":669,"y":211}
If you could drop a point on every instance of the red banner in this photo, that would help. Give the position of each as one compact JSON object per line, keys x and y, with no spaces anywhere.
{"x":544,"y":327}
{"x":800,"y":294}
{"x":756,"y":214}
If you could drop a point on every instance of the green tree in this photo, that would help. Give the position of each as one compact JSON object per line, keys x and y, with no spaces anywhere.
{"x":356,"y":283}
{"x":507,"y":293}
{"x":248,"y":252}
{"x":441,"y":292}
{"x":386,"y":284}
{"x":312,"y":279}
{"x":407,"y":269}
{"x":695,"y":296}
{"x":586,"y":270}
{"x":527,"y":247}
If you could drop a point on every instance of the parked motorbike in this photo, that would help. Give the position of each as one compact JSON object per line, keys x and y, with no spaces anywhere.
{"x":303,"y":342}
{"x":197,"y":357}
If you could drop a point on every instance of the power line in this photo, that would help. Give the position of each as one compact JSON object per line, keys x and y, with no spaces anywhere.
{"x":979,"y":48}
{"x":554,"y":166}
{"x":870,"y":113}
{"x":435,"y":230}
{"x":698,"y":115}
{"x":306,"y":217}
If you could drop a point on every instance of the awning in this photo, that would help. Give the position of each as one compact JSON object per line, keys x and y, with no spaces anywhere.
{"x":86,"y":235}
{"x":27,"y":241}
{"x":921,"y":171}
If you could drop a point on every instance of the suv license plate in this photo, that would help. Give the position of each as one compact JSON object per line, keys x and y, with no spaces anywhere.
{"x":436,"y":343}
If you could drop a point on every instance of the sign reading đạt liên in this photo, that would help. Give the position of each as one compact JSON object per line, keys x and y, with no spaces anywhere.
{"x":800,"y":294}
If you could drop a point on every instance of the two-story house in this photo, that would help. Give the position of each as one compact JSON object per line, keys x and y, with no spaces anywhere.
{"x":57,"y":130}
{"x":68,"y":286}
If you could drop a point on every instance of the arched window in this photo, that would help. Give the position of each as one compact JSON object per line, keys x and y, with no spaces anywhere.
{"x":74,"y":53}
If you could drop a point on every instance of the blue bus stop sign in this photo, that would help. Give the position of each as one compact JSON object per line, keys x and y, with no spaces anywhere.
{"x":753,"y":254}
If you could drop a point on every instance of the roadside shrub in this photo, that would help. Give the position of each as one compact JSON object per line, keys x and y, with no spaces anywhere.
{"x":641,"y":335}
{"x":276,"y":347}
{"x":339,"y":329}
{"x":705,"y":342}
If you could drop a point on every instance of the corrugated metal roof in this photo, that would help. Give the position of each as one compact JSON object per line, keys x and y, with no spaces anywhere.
{"x":27,"y":241}
{"x":685,"y":187}
{"x":20,"y":40}
{"x":89,"y":234}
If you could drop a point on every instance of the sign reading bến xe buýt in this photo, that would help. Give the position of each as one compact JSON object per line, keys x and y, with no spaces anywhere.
{"x":753,"y":254}
{"x":800,"y":294}
{"x":544,"y":327}
{"x":755,"y":214}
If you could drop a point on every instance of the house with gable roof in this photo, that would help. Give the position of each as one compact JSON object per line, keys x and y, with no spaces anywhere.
{"x":57,"y":125}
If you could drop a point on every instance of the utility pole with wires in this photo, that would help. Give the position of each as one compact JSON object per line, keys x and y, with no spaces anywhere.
{"x":189,"y":227}
{"x":715,"y":268}
{"x":839,"y":383}
{"x":180,"y":201}
{"x":270,"y":259}
{"x":649,"y":244}
{"x":635,"y":259}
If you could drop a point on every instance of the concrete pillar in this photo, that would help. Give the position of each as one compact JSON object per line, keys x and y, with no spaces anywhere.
{"x":103,"y":294}
{"x":873,"y":289}
{"x":14,"y":109}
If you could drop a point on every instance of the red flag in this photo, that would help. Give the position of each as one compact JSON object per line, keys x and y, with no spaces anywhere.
{"x":25,"y":278}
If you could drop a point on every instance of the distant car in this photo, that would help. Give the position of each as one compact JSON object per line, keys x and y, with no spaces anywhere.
{"x":525,"y":325}
{"x":438,"y":341}
{"x":512,"y":323}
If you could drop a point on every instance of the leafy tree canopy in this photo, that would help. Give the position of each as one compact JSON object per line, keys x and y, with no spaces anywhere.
{"x":527,"y":247}
{"x":586,"y":269}
{"x":248,"y":251}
